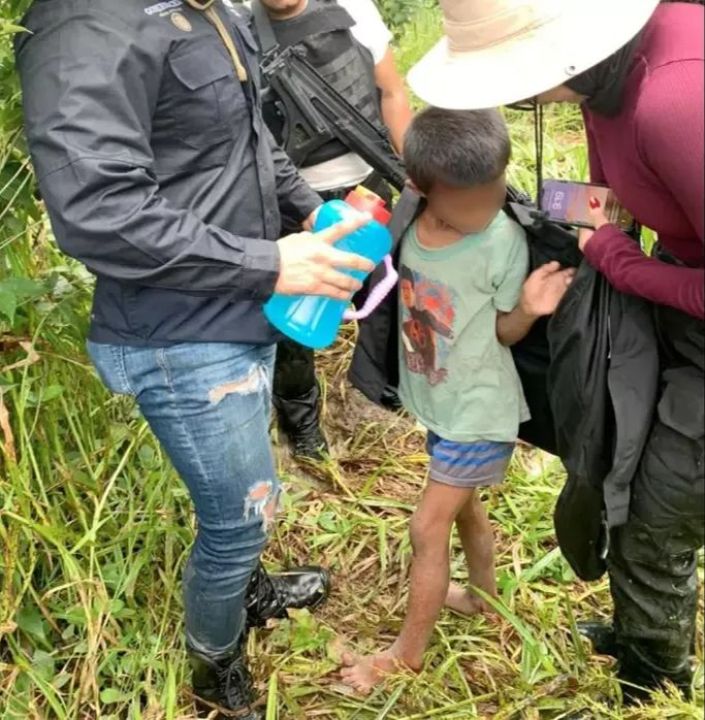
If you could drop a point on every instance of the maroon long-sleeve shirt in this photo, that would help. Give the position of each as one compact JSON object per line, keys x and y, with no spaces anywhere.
{"x":652,"y":155}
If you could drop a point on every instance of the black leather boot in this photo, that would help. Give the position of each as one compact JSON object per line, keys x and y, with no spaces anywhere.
{"x":224,"y":684}
{"x":647,"y":666}
{"x":636,"y":673}
{"x":270,"y":596}
{"x":299,"y":418}
{"x":390,"y":399}
{"x":296,"y":397}
{"x":601,"y":635}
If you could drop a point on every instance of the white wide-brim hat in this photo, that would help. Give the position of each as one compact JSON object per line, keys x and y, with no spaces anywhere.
{"x":498,"y":52}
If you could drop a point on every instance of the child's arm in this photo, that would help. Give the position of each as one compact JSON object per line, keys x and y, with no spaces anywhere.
{"x":541,"y":294}
{"x":514,"y":326}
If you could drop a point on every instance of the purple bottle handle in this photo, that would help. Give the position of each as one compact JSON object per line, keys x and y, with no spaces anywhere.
{"x":377,"y":294}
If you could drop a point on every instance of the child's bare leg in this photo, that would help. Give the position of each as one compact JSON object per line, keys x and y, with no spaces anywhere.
{"x":477,"y":537}
{"x":430,"y":570}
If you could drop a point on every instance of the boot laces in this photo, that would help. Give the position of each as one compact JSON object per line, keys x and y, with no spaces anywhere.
{"x":265,"y":592}
{"x":236,"y":682}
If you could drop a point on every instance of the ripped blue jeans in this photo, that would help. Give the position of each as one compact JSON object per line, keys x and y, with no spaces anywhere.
{"x":209,"y":406}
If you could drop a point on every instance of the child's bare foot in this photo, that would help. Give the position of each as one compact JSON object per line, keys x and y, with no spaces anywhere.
{"x":365,"y":673}
{"x":464,"y":602}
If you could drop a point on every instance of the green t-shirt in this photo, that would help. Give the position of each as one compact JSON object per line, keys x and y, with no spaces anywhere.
{"x":455,"y":375}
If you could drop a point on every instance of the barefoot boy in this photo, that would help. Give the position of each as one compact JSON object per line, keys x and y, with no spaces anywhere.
{"x":464,"y":299}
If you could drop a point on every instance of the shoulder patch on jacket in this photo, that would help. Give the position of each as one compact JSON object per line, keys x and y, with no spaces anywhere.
{"x":163,"y":7}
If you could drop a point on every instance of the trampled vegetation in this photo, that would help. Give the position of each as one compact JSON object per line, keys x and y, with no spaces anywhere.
{"x":95,"y":525}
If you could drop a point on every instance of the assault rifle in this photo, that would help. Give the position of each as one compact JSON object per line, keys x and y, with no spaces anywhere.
{"x":315,"y":114}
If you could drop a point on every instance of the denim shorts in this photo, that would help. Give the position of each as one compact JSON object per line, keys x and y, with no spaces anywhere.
{"x":468,"y":465}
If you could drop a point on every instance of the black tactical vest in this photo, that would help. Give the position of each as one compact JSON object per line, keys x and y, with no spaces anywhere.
{"x":323,"y":34}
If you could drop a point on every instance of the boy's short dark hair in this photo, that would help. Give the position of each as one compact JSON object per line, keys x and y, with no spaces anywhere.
{"x":460,"y":148}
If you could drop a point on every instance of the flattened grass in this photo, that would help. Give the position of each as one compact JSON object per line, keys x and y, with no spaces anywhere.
{"x":95,"y":528}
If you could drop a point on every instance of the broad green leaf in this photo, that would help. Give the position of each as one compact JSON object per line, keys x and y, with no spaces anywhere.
{"x":8,"y":305}
{"x":52,"y":392}
{"x":31,"y":622}
{"x":22,"y":287}
{"x":111,"y":695}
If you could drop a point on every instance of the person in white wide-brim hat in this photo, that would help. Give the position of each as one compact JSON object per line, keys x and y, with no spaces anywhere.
{"x":636,"y":67}
{"x":501,"y":52}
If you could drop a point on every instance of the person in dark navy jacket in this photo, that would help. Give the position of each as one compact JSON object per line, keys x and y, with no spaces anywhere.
{"x":145,"y":128}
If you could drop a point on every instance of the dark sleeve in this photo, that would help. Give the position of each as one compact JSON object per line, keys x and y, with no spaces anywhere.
{"x":296,"y":199}
{"x":90,"y":90}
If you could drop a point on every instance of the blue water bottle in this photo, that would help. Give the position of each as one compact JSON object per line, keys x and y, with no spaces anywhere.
{"x":314,"y":321}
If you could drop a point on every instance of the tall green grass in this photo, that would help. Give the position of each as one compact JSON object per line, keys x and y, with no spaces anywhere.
{"x":95,"y":527}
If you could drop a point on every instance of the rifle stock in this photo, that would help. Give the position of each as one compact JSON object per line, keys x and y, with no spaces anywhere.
{"x":316,"y":113}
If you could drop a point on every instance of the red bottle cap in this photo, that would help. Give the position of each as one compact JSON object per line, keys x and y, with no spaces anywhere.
{"x":365,"y":200}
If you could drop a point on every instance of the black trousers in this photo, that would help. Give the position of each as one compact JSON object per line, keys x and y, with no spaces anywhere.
{"x":652,"y":562}
{"x":295,"y":369}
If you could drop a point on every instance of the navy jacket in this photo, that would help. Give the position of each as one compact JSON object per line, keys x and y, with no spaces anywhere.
{"x":156,"y":167}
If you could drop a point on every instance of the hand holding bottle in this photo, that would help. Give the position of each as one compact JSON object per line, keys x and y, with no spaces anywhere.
{"x":310,"y":265}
